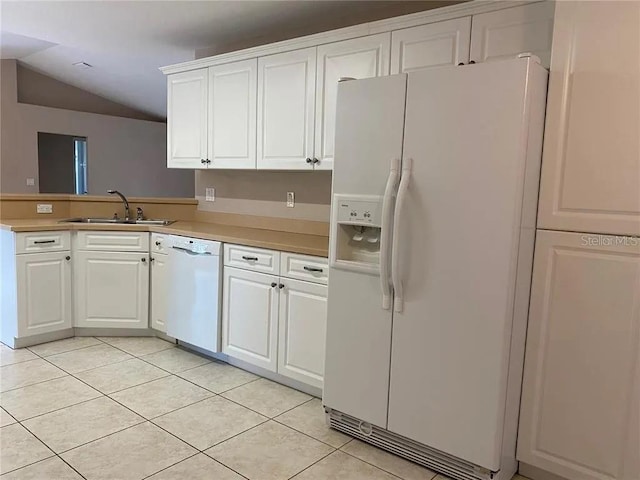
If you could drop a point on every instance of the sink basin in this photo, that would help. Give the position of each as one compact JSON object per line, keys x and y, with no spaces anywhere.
{"x":118,"y":221}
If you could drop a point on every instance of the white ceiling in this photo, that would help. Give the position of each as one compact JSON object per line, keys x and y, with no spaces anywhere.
{"x":126,"y":41}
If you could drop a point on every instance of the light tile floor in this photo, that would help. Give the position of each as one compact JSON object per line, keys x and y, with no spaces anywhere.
{"x":134,"y":408}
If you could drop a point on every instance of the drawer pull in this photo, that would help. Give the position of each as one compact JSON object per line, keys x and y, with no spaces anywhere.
{"x":44,"y":241}
{"x":249,"y":259}
{"x":313,"y":269}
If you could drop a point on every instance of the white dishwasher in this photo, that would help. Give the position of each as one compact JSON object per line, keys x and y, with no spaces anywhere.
{"x":193,"y":293}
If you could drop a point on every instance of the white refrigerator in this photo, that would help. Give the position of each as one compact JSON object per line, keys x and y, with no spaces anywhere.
{"x":435,"y":189}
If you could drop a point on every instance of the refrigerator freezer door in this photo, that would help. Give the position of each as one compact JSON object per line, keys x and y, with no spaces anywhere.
{"x":467,"y":133}
{"x":369,"y":131}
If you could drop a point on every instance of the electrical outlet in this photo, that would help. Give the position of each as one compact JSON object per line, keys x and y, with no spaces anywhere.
{"x":210,"y":194}
{"x":44,"y":208}
{"x":290,"y":199}
{"x":31,"y":182}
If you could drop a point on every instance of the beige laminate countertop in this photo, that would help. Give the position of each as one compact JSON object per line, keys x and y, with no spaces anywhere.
{"x":253,"y":237}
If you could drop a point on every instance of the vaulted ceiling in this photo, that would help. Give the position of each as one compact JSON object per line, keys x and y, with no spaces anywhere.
{"x":126,"y":41}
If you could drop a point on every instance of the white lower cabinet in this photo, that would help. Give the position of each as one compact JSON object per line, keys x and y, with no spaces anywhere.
{"x":112,"y":289}
{"x":44,"y":292}
{"x":250,"y":317}
{"x":581,"y":389}
{"x":158,"y":292}
{"x":276,"y":320}
{"x":302,"y":331}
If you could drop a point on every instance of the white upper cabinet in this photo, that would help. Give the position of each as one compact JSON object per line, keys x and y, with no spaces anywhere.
{"x":591,"y":163}
{"x":286,"y":110}
{"x":432,"y":45}
{"x":508,"y":32}
{"x":232,"y":115}
{"x":187,"y":119}
{"x":363,"y":57}
{"x":44,"y":293}
{"x":581,"y":389}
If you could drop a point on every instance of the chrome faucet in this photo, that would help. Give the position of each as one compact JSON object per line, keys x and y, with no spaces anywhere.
{"x":124,"y":200}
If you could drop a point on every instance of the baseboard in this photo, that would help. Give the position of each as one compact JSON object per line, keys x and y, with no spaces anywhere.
{"x":42,"y":338}
{"x":535,"y":473}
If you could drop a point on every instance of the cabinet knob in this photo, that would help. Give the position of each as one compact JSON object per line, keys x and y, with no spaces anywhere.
{"x":274,"y":284}
{"x":151,"y":259}
{"x":315,"y":160}
{"x":281,"y":286}
{"x":208,"y":161}
{"x":471,"y":62}
{"x":461,"y":64}
{"x":158,"y":243}
{"x":67,"y":257}
{"x":309,"y":161}
{"x":144,"y":260}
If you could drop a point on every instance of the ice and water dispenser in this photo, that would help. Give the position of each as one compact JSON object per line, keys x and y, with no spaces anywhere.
{"x":356,"y":220}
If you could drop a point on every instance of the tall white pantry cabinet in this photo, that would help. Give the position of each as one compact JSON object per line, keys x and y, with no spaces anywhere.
{"x":580,"y":411}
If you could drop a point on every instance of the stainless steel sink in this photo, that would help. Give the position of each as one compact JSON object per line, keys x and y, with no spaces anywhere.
{"x":117,"y":221}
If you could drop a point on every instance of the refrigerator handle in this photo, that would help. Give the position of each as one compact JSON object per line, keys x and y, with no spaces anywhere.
{"x":398,"y":301}
{"x":385,"y":231}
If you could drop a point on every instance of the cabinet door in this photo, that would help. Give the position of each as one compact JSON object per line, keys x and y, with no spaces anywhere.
{"x":158,"y":292}
{"x":363,"y":57}
{"x":591,"y":165}
{"x":302,"y":331}
{"x":579,"y":413}
{"x":286,"y":109}
{"x":232,"y":115}
{"x":506,"y":33}
{"x":187,"y":119}
{"x":112,"y":289}
{"x":44,"y":293}
{"x":432,"y":45}
{"x":250,"y":317}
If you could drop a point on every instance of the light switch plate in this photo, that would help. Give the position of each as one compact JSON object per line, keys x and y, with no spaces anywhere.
{"x":44,"y":208}
{"x":210,"y":194}
{"x":290,"y":199}
{"x":31,"y":182}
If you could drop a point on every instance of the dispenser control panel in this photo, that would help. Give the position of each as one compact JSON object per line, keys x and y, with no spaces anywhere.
{"x":359,"y":212}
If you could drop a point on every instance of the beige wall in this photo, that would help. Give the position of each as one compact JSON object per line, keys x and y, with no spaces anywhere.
{"x":123,"y":153}
{"x":265,"y":192}
{"x":37,"y":89}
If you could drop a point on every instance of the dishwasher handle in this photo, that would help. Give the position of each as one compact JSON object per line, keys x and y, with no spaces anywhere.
{"x":186,"y":250}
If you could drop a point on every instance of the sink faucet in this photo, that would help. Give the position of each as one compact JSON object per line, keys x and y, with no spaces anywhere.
{"x":124,"y":200}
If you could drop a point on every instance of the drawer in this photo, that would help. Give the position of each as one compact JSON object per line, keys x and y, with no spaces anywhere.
{"x":112,"y":241}
{"x":256,"y":259}
{"x":159,"y":243}
{"x":304,"y":267}
{"x":34,"y":242}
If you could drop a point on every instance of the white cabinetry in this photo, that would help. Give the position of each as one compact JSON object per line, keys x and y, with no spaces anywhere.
{"x":112,"y":286}
{"x":363,"y":57}
{"x":286,"y":109}
{"x":36,"y":285}
{"x":432,"y":45}
{"x":579,"y":415}
{"x":508,"y":32}
{"x":250,"y":317}
{"x":591,"y":166}
{"x":232,"y":115}
{"x":187,"y":119}
{"x":158,"y":289}
{"x":302,"y":331}
{"x":274,"y":320}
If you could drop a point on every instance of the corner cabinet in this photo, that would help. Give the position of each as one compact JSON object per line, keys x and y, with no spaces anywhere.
{"x":581,"y":388}
{"x":590,"y":179}
{"x":187,"y":119}
{"x":286,"y":110}
{"x":111,"y":276}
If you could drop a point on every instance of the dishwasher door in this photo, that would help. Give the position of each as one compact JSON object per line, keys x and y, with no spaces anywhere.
{"x":193,"y":302}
